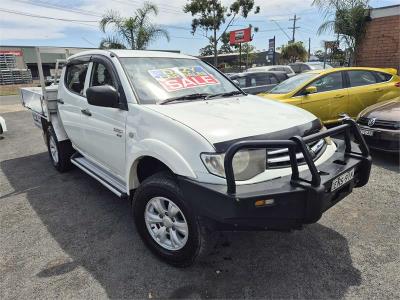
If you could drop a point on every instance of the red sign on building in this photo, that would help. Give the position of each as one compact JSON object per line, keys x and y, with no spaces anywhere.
{"x":240,"y":36}
{"x":14,"y":52}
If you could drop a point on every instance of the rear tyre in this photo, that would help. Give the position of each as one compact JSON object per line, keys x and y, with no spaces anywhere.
{"x":60,"y":152}
{"x":167,"y":225}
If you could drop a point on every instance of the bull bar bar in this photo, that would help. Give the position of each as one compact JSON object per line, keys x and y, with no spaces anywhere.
{"x":297,"y":143}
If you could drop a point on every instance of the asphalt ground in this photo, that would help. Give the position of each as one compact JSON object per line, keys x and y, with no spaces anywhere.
{"x":65,"y":235}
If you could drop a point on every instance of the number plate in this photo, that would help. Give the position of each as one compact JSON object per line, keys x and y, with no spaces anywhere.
{"x":342,"y":180}
{"x":367,"y":132}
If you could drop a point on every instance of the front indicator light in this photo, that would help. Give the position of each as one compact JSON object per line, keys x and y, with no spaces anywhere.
{"x":267,"y":202}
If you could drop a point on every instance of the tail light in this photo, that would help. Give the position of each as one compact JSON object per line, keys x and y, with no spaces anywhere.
{"x":397,"y":84}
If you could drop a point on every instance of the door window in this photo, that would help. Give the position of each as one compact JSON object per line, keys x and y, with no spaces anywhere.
{"x":75,"y":78}
{"x":328,"y":83}
{"x":241,"y":81}
{"x":272,"y":79}
{"x":262,"y":79}
{"x":360,"y":78}
{"x":101,"y":76}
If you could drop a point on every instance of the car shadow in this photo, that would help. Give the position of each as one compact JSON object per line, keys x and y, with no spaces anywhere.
{"x":95,"y":229}
{"x":388,"y":161}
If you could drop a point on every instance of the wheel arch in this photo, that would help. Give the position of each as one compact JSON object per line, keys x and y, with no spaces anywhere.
{"x":156,"y":151}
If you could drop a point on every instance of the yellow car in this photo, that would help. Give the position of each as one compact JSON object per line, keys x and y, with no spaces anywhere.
{"x":331,"y":92}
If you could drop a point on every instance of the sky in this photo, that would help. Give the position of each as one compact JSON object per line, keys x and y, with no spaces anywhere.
{"x":75,"y":22}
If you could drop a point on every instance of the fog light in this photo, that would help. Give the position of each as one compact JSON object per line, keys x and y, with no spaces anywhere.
{"x":266,"y":202}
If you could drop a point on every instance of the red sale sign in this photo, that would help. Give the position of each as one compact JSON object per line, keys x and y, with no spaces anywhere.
{"x":240,"y":36}
{"x":179,"y":78}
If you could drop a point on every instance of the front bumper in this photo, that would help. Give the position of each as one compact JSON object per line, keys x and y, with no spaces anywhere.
{"x":382,"y":139}
{"x":298,"y":199}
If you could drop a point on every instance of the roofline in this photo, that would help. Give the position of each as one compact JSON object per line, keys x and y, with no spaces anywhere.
{"x":385,"y":7}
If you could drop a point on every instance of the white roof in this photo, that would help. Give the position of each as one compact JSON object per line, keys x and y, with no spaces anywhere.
{"x":134,"y":53}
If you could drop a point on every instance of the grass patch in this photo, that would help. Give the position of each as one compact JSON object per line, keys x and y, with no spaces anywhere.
{"x":13,"y":89}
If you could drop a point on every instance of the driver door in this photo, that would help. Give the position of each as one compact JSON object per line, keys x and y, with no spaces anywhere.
{"x":330,"y":100}
{"x":104,"y":127}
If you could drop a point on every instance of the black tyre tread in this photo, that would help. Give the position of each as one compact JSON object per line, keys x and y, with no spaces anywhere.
{"x":65,"y":151}
{"x":167,"y":181}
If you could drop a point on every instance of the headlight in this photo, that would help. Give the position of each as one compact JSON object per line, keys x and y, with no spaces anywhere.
{"x":246,"y":163}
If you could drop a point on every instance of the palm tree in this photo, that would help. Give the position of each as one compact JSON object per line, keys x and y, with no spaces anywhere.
{"x":346,"y":18}
{"x":293,"y":52}
{"x":135,"y":32}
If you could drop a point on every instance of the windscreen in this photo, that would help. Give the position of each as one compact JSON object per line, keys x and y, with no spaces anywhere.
{"x":156,"y":79}
{"x":292,"y":83}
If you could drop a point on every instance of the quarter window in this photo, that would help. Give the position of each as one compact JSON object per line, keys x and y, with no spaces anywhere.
{"x":75,"y":77}
{"x":328,"y":83}
{"x":360,"y":78}
{"x":383,"y":77}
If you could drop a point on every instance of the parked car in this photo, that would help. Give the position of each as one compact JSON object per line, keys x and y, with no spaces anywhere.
{"x":301,"y":67}
{"x":330,"y":93}
{"x":258,"y":82}
{"x":280,"y":68}
{"x":380,"y":125}
{"x":3,"y":127}
{"x":189,"y":149}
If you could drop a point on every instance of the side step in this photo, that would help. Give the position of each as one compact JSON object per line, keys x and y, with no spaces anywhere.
{"x":114,"y":184}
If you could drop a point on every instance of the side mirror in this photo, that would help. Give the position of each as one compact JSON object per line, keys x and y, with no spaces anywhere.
{"x":310,"y":90}
{"x":103,"y":95}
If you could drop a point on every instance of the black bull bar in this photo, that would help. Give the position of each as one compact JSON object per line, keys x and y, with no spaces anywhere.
{"x":295,"y":144}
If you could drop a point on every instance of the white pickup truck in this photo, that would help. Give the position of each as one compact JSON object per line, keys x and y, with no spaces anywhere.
{"x":192,"y":151}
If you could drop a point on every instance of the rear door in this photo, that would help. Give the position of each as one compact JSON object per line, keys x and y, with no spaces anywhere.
{"x":72,"y":99}
{"x":104,"y":127}
{"x":364,"y":90}
{"x":330,"y":100}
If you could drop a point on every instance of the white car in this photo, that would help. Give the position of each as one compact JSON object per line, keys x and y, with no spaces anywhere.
{"x":191,"y":150}
{"x":282,"y":68}
{"x":3,"y":127}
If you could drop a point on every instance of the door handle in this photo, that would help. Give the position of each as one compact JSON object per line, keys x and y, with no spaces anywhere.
{"x":378,"y":90}
{"x":60,"y":101}
{"x":86,"y":112}
{"x":339,"y":96}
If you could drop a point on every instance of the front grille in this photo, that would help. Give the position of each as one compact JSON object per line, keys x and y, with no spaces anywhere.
{"x":379,"y":123}
{"x":279,"y":158}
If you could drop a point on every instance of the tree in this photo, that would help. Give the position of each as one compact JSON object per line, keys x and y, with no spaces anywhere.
{"x":320,"y":54}
{"x":135,"y":32}
{"x":226,"y":46}
{"x":212,"y":15}
{"x":293,"y":52}
{"x":207,"y":50}
{"x":346,"y":18}
{"x":247,"y":55}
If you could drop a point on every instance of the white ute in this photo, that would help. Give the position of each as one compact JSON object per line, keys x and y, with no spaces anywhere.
{"x":191,"y":150}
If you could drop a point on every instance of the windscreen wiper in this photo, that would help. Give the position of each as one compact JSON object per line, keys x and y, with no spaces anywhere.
{"x":185,"y":98}
{"x":227,"y":94}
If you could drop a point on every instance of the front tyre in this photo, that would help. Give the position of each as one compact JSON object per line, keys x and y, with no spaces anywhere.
{"x":166,"y":223}
{"x":60,"y":152}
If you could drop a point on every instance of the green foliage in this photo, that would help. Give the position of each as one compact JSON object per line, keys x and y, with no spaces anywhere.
{"x":294,"y":52}
{"x":135,"y":32}
{"x":111,"y":42}
{"x":346,"y":18}
{"x":212,"y":15}
{"x":225,"y":47}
